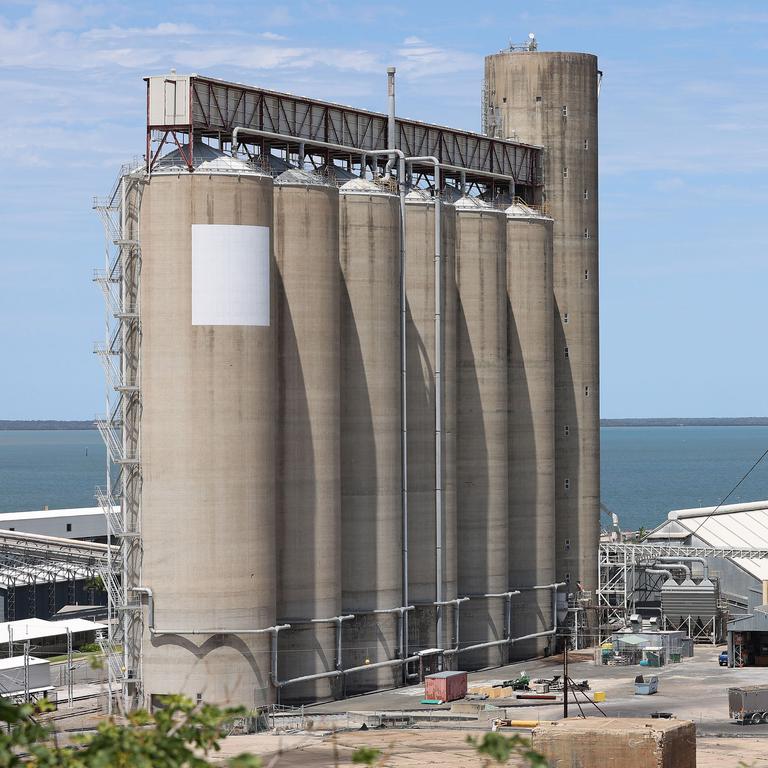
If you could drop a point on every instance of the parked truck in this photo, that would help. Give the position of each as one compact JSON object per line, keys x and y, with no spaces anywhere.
{"x":749,"y":704}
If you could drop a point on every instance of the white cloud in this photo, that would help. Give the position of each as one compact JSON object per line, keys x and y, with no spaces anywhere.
{"x":418,"y":58}
{"x":271,"y":36}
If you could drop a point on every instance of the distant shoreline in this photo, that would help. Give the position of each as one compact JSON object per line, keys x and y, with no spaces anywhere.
{"x":743,"y":421}
{"x":39,"y":425}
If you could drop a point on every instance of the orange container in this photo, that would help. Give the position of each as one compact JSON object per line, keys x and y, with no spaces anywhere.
{"x":445,"y":686}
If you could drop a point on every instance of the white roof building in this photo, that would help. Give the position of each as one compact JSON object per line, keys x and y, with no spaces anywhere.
{"x":37,"y":629}
{"x":78,"y":523}
{"x":733,"y":526}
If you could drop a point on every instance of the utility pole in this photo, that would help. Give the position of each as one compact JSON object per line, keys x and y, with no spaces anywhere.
{"x":565,"y":678}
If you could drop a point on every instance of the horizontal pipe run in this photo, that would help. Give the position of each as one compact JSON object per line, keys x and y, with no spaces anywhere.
{"x":340,"y":672}
{"x":379,"y":664}
{"x":153,"y":630}
{"x":507,"y":640}
{"x":357,"y":151}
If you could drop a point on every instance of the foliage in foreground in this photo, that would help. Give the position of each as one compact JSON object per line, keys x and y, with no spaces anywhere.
{"x":180,"y":735}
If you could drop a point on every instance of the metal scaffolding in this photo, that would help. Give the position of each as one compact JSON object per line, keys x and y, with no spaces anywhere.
{"x":119,"y":427}
{"x":620,"y":590}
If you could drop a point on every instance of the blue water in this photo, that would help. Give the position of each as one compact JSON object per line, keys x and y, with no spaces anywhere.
{"x":646,"y":471}
{"x":59,"y":469}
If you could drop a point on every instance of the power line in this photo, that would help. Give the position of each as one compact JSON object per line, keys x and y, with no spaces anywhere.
{"x":730,"y":493}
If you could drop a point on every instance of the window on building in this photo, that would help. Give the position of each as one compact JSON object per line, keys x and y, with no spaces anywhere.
{"x":567,"y":578}
{"x":565,"y":318}
{"x":567,"y":544}
{"x":565,"y":111}
{"x":567,"y":484}
{"x":565,"y":172}
{"x":504,"y":99}
{"x":566,"y":430}
{"x":586,"y":391}
{"x":69,"y":527}
{"x":586,"y":233}
{"x":586,"y":274}
{"x":586,"y":143}
{"x":586,"y":194}
{"x":565,"y":352}
{"x":538,"y":98}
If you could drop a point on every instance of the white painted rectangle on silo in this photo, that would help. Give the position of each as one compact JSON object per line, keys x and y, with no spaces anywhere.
{"x":230,"y":274}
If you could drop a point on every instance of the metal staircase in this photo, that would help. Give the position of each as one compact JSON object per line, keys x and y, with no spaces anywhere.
{"x":119,"y":427}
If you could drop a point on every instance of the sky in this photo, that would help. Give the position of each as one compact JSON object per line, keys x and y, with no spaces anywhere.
{"x":683,"y":163}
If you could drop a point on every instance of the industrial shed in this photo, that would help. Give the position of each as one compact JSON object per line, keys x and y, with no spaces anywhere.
{"x":748,"y":640}
{"x":733,"y":526}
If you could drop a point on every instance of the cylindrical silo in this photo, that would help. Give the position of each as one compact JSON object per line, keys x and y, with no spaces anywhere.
{"x":308,"y":420}
{"x":530,"y":340}
{"x":420,"y":340}
{"x":550,"y":99}
{"x":481,"y":463}
{"x":207,"y":428}
{"x":369,"y":254}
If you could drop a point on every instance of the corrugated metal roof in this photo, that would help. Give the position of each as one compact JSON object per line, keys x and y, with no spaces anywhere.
{"x":756,"y":622}
{"x":733,"y":525}
{"x":34,"y":629}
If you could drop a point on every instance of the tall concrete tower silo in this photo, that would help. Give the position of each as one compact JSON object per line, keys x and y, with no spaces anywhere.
{"x":481,"y":463}
{"x":369,"y":255}
{"x":550,"y":99}
{"x":207,"y":373}
{"x":308,"y":441}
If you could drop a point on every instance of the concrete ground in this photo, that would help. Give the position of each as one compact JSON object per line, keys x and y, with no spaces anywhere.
{"x":695,"y":689}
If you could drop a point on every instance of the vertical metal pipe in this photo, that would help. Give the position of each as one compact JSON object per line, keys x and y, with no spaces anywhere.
{"x":401,"y":183}
{"x":438,"y":409}
{"x":392,"y":139}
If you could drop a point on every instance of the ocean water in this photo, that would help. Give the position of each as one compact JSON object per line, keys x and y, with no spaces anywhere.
{"x":646,"y":471}
{"x":57,"y":468}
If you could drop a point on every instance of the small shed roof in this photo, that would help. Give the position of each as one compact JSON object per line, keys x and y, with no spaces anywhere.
{"x":756,"y":622}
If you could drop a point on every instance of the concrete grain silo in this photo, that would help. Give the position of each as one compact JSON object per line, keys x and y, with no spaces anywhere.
{"x":550,"y":99}
{"x":207,"y":375}
{"x":308,"y":421}
{"x":531,"y":423}
{"x":481,"y":464}
{"x":420,"y":339}
{"x":369,"y":254}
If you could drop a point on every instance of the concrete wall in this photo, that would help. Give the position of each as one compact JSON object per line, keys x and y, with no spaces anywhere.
{"x":617,"y":743}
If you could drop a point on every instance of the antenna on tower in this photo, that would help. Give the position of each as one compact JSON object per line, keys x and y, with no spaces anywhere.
{"x":532,"y":44}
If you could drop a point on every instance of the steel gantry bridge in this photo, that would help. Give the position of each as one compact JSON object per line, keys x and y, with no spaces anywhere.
{"x":184,"y":108}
